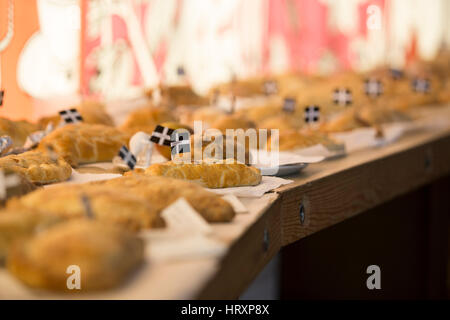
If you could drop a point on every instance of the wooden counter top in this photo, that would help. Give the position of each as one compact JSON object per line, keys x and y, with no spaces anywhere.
{"x":326,"y":193}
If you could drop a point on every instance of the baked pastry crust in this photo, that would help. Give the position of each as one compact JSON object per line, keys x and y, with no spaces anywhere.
{"x":182,"y":95}
{"x":160,"y":192}
{"x":20,"y":223}
{"x":205,"y":114}
{"x":105,"y":255}
{"x":258,"y":114}
{"x":282,"y":122}
{"x":345,"y":121}
{"x":241,"y":88}
{"x":232,"y":121}
{"x":146,"y":119}
{"x":17,"y":130}
{"x":377,"y":115}
{"x":108,"y":205}
{"x":370,"y":115}
{"x":241,"y":149}
{"x":38,"y":167}
{"x":297,"y":139}
{"x":210,"y":175}
{"x":92,"y":112}
{"x":85,"y":143}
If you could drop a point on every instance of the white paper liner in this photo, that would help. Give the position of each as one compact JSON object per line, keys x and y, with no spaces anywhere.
{"x":284,"y":158}
{"x":268,"y":183}
{"x":77,"y":177}
{"x":182,"y":217}
{"x":237,"y":205}
{"x":319,"y":150}
{"x":269,"y":165}
{"x":364,"y":138}
{"x":185,"y":247}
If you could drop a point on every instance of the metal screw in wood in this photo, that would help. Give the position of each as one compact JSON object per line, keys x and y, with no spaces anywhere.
{"x":266,"y":240}
{"x":302,"y":214}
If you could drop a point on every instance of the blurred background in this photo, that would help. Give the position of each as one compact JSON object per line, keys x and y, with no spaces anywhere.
{"x":54,"y":53}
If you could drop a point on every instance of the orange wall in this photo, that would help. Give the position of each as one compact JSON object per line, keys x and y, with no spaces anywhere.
{"x":17,"y":104}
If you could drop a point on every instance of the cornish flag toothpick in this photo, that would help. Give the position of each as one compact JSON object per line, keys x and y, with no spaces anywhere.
{"x":127,"y":157}
{"x":161,"y":135}
{"x":289,"y":105}
{"x":312,"y":114}
{"x":5,"y":143}
{"x":2,"y":95}
{"x":86,"y":202}
{"x":270,"y":87}
{"x":180,"y":71}
{"x":421,"y":85}
{"x":71,"y":116}
{"x":180,"y":142}
{"x":342,"y":97}
{"x":373,"y":88}
{"x":396,"y":74}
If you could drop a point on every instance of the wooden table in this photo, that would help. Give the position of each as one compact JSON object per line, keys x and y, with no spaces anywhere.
{"x":328,"y":195}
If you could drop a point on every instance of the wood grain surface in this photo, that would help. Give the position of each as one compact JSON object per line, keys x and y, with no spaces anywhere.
{"x":330,"y":193}
{"x":333,"y":191}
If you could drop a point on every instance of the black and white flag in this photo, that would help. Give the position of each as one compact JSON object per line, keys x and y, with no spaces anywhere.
{"x":161,"y":135}
{"x":373,"y":88}
{"x":421,"y":85}
{"x":86,"y":202}
{"x":342,"y":97}
{"x":312,"y":114}
{"x":127,"y":157}
{"x":2,"y":95}
{"x":180,"y":142}
{"x":396,"y":74}
{"x":5,"y":143}
{"x":71,"y":116}
{"x":180,"y":71}
{"x":289,"y":105}
{"x":270,"y":87}
{"x":35,"y":137}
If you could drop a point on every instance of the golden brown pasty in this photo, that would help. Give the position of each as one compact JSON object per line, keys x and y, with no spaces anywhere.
{"x":282,"y":122}
{"x":232,"y":121}
{"x":85,"y":143}
{"x":92,"y":112}
{"x":297,"y":139}
{"x":146,"y":119}
{"x":207,"y":148}
{"x":258,"y":114}
{"x":161,"y":192}
{"x":180,"y":95}
{"x":406,"y":97}
{"x":210,"y":175}
{"x":205,"y":114}
{"x":19,"y":223}
{"x":345,"y":121}
{"x":38,"y":167}
{"x":104,"y":254}
{"x":444,"y":93}
{"x":241,"y":88}
{"x":17,"y":130}
{"x":367,"y":116}
{"x":107,"y":205}
{"x":377,"y":115}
